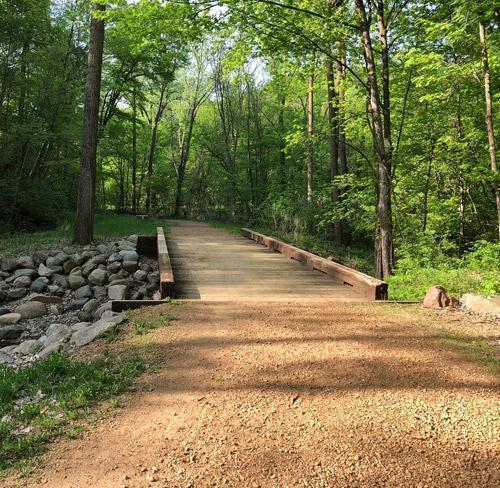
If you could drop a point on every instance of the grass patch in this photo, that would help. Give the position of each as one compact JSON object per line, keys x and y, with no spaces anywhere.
{"x":40,"y":401}
{"x":106,"y":226}
{"x":143,"y":324}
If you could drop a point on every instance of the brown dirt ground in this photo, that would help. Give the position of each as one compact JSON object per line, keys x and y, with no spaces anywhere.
{"x":257,"y":394}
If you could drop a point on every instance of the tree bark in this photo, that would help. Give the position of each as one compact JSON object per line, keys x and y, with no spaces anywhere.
{"x":84,"y":222}
{"x":310,"y":135}
{"x":134,"y":150}
{"x":489,"y":118}
{"x":384,"y":234}
{"x":282,"y":145}
{"x":333,"y":144}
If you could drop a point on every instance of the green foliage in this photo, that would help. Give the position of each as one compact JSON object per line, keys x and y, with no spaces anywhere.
{"x":477,"y":272}
{"x":144,"y":324}
{"x":40,"y":401}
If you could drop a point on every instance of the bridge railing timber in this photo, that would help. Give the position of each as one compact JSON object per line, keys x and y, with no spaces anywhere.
{"x":167,"y":281}
{"x":365,"y":285}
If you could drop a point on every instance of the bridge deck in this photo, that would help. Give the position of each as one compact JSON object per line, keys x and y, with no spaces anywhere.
{"x":213,"y":265}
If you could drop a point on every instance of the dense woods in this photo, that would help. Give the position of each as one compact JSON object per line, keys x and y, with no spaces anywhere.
{"x":368,"y":125}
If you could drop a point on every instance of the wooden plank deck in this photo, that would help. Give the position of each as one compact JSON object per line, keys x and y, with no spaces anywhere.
{"x":213,"y":265}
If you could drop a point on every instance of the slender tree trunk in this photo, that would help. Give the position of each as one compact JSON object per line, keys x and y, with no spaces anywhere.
{"x":489,"y":118}
{"x":341,"y":97}
{"x":333,"y":143}
{"x":134,"y":150}
{"x":84,"y":223}
{"x":384,"y":234}
{"x":310,"y":135}
{"x":282,"y":146}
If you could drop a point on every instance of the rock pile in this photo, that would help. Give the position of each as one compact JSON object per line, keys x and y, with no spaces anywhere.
{"x":62,"y":301}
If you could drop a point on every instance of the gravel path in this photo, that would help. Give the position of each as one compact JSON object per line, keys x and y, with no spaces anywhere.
{"x":249,"y":394}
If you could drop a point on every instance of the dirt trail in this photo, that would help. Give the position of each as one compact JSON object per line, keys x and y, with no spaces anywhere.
{"x":279,"y":395}
{"x":211,"y":264}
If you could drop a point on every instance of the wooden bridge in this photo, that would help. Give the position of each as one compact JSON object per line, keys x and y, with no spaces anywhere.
{"x":213,"y":265}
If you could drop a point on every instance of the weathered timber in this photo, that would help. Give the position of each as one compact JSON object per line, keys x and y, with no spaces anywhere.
{"x":166,"y":274}
{"x":147,"y":246}
{"x":363,"y":284}
{"x":121,"y":305}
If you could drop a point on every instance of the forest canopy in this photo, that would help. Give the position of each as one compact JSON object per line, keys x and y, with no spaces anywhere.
{"x":367,"y":125}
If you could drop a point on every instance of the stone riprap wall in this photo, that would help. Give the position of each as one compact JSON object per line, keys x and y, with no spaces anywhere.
{"x":61,"y":300}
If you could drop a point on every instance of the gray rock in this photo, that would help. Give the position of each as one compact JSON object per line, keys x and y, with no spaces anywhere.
{"x":84,"y":316}
{"x":88,"y":268}
{"x":80,"y":325}
{"x":117,"y":292}
{"x":129,"y":255}
{"x":3,"y":285}
{"x":39,"y":286}
{"x":130,"y":266}
{"x":98,"y":277}
{"x":91,"y":306}
{"x":8,"y":265}
{"x":58,"y":333}
{"x":56,"y":290}
{"x":4,"y":311}
{"x":156,"y":296}
{"x":133,"y":239}
{"x":69,"y":250}
{"x":83,"y":292}
{"x":118,"y":281}
{"x":22,"y":282}
{"x":76,"y":271}
{"x":115,"y":317}
{"x":31,"y":310}
{"x":10,"y":334}
{"x":61,"y":257}
{"x":154,"y":277}
{"x":6,"y":358}
{"x":114,"y":267}
{"x":103,"y":308}
{"x":61,"y":281}
{"x":26,"y":272}
{"x":99,"y":291}
{"x":480,"y":304}
{"x":25,"y":262}
{"x":48,"y":350}
{"x":86,"y":335}
{"x":76,"y":281}
{"x":15,"y":293}
{"x":3,"y":295}
{"x":140,"y":275}
{"x":10,"y":318}
{"x":75,"y":304}
{"x":80,"y":259}
{"x":102,"y":248}
{"x":115,"y":258}
{"x":69,"y":265}
{"x":145,"y":267}
{"x":28,"y":348}
{"x":45,"y":271}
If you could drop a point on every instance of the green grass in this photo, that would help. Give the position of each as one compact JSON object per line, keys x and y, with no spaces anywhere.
{"x":43,"y":400}
{"x":143,"y":324}
{"x":106,"y":226}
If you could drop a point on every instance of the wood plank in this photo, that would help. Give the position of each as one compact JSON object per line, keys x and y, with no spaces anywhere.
{"x":167,"y":281}
{"x":364,"y":284}
{"x":121,"y":305}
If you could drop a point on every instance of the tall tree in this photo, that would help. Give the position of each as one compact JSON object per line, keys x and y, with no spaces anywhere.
{"x":84,"y":222}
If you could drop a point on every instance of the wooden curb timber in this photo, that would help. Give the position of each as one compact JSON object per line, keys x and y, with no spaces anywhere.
{"x":167,"y":281}
{"x":366,"y":285}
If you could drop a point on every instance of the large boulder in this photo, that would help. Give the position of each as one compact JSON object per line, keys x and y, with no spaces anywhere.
{"x":85,"y":335}
{"x":10,"y":318}
{"x":480,"y":304}
{"x":98,"y":277}
{"x":84,"y":292}
{"x":10,"y":334}
{"x":26,"y":262}
{"x":15,"y":293}
{"x":45,"y":271}
{"x":436,"y":297}
{"x":57,"y":333}
{"x":31,"y":310}
{"x":29,"y":347}
{"x":8,"y":265}
{"x":117,"y":292}
{"x":76,"y":281}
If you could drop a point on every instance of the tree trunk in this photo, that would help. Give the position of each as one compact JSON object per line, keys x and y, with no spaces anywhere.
{"x":333,"y":144}
{"x":282,"y":146}
{"x":489,"y":118}
{"x":310,"y":135}
{"x":384,"y":236}
{"x":84,"y":222}
{"x":134,"y":151}
{"x":340,"y":113}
